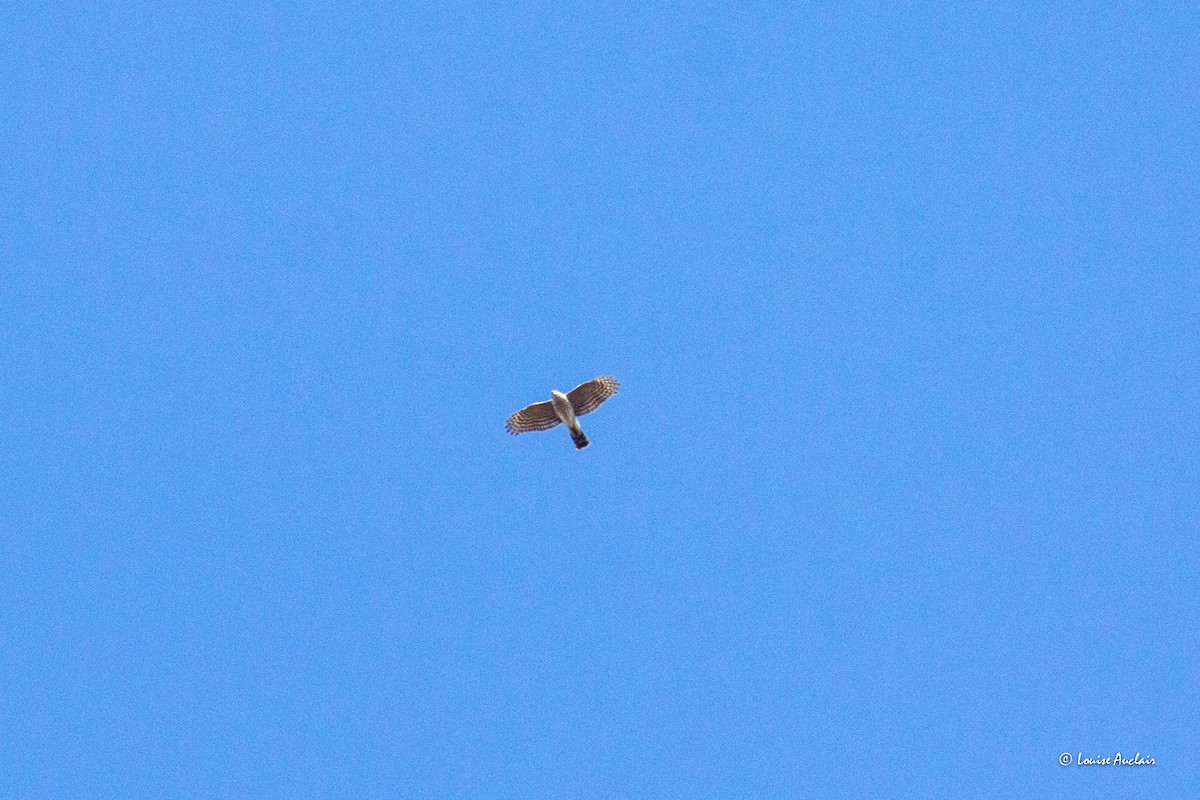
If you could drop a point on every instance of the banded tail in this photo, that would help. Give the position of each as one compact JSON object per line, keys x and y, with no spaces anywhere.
{"x":578,"y":438}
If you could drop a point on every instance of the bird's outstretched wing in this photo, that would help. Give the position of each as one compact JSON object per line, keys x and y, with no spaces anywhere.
{"x":587,"y":397}
{"x":537,"y":417}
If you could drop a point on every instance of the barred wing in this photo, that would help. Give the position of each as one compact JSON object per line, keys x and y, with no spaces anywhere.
{"x":587,"y":397}
{"x":537,"y":417}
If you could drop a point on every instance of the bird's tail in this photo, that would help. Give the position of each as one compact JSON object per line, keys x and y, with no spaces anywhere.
{"x":578,"y":438}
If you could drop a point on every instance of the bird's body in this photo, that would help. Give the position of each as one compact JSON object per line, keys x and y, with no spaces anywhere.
{"x":562,"y":407}
{"x":565,"y":412}
{"x":565,"y":408}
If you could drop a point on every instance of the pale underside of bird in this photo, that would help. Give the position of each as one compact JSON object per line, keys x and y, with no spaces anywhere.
{"x":565,"y":408}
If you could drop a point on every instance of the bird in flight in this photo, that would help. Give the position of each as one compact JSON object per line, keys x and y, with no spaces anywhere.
{"x":583,"y":399}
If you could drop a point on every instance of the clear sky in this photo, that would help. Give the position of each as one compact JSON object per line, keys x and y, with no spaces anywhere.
{"x":900,"y":496}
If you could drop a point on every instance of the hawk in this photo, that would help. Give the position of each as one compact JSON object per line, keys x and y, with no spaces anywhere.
{"x":583,"y":399}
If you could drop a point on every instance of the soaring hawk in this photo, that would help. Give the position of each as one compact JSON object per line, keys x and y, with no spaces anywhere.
{"x":583,"y":399}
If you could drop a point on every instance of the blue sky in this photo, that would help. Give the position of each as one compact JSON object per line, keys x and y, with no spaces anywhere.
{"x":900,"y":495}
